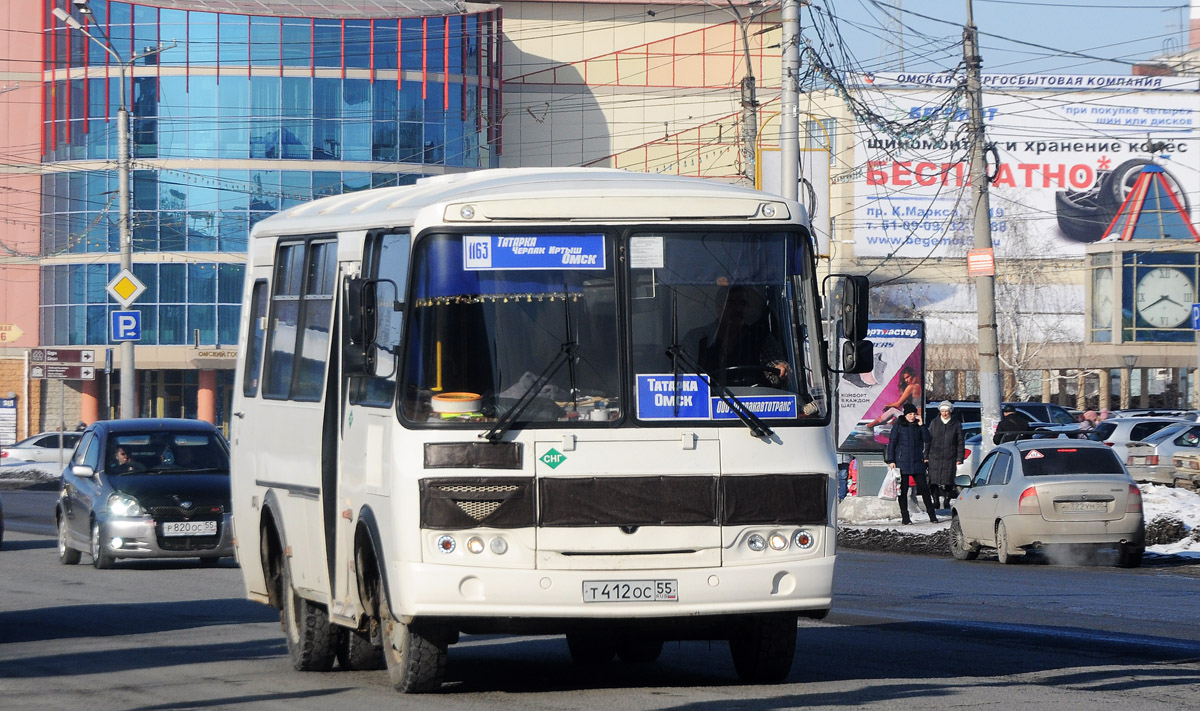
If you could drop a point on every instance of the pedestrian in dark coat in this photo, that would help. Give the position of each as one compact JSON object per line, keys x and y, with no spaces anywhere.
{"x":947,"y":450}
{"x":1011,"y":422}
{"x":907,"y":451}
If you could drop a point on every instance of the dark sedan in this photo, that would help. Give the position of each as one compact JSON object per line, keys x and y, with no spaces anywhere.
{"x":146,"y":488}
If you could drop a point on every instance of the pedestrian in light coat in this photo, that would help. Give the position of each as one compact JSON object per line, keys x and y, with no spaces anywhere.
{"x":907,"y":451}
{"x":947,"y":450}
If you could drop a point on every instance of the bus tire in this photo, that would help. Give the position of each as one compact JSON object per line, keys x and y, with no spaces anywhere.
{"x":639,"y":650}
{"x":361,"y":651}
{"x":415,"y":662}
{"x":589,"y":648}
{"x":310,"y":637}
{"x":763,"y":648}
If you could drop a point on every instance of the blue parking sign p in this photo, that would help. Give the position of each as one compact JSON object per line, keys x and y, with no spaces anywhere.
{"x":1196,"y":316}
{"x":126,"y":325}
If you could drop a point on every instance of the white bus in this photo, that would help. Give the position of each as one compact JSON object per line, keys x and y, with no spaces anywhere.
{"x":549,"y":401}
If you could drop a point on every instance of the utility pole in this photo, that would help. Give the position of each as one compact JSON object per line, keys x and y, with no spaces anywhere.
{"x":789,"y":119}
{"x":985,"y":286}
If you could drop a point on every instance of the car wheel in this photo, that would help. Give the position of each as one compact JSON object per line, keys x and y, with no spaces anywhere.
{"x":1130,"y":556}
{"x":361,"y":651}
{"x":639,"y":650}
{"x":66,"y":554}
{"x":101,"y":559}
{"x":1002,"y":552}
{"x":416,"y":662}
{"x":763,"y":648}
{"x":590,"y":648}
{"x":959,"y":548}
{"x":310,"y":637}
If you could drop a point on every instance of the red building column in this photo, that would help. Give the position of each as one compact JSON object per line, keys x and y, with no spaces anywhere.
{"x":206,"y":396}
{"x":89,"y":406}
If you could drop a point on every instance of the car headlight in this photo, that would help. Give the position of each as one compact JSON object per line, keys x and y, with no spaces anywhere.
{"x":124,"y":505}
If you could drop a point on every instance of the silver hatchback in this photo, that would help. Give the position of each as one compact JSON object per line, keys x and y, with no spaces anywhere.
{"x":1040,"y":493}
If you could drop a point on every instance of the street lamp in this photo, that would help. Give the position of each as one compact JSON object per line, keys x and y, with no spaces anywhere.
{"x":123,"y":169}
{"x":1130,"y":360}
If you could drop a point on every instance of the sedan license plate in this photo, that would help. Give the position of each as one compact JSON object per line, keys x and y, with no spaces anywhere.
{"x":1082,"y":506}
{"x":189,"y":528}
{"x":631,"y":591}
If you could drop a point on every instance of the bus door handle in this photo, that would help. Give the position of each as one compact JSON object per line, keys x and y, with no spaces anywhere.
{"x":239,"y":415}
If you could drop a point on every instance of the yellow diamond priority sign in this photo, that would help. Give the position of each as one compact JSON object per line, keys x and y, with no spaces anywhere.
{"x":125,"y":287}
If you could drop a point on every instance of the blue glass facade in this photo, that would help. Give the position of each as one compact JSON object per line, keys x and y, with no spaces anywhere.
{"x":230,"y":125}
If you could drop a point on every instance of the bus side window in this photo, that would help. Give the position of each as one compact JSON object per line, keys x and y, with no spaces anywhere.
{"x":386,"y":260}
{"x":254,"y":338}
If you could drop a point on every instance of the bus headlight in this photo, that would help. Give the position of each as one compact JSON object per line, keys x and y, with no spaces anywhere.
{"x":446,"y":544}
{"x":499,"y":546}
{"x":777,"y":541}
{"x":803,"y":539}
{"x":475,"y":544}
{"x":756,"y":542}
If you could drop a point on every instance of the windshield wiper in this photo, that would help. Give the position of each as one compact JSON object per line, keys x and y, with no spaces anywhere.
{"x":677,"y":354}
{"x":751,"y":420}
{"x":505,"y":422}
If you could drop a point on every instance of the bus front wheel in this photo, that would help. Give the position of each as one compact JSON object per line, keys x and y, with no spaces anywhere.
{"x":416,"y":662}
{"x":763,"y":648}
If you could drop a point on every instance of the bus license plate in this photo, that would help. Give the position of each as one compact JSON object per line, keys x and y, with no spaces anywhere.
{"x":189,"y":528}
{"x":631,"y":591}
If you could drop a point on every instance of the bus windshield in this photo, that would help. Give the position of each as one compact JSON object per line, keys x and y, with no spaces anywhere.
{"x":526,"y":327}
{"x":502,"y":319}
{"x":737,"y":312}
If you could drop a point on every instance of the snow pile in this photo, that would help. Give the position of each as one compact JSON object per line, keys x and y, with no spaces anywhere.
{"x":21,"y":475}
{"x":1158,"y":502}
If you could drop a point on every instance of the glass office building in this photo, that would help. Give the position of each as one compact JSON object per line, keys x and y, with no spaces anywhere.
{"x":239,"y":115}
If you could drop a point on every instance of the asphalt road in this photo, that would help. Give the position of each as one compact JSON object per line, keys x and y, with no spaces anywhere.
{"x":907,"y":632}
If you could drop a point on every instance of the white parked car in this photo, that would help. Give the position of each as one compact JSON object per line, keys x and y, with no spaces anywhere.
{"x":1151,"y":459}
{"x":1118,"y":432}
{"x":45,"y":447}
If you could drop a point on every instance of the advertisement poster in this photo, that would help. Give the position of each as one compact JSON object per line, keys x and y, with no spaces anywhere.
{"x":868,"y":403}
{"x":1065,"y":152}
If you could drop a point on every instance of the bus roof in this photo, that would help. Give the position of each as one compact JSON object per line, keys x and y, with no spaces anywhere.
{"x":531,"y":195}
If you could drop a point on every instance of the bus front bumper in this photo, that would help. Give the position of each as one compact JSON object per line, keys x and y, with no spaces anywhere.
{"x":428,"y":590}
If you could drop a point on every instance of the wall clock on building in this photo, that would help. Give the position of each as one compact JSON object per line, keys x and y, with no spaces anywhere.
{"x":1102,"y":298}
{"x":1163,"y":297}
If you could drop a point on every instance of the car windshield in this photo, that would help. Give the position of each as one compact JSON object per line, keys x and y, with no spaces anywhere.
{"x":1167,"y":433}
{"x":1067,"y":461}
{"x":166,"y":452}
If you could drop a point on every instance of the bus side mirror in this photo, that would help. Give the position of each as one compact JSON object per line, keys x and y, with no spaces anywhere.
{"x":855,"y":307}
{"x":857,"y":356}
{"x":358,"y":352}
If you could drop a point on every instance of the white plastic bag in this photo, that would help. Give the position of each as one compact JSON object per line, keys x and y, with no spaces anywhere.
{"x":890,"y":488}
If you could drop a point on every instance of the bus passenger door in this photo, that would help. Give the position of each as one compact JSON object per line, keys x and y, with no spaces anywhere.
{"x":368,"y":421}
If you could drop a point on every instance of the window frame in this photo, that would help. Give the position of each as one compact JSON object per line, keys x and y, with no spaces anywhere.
{"x":304,"y":299}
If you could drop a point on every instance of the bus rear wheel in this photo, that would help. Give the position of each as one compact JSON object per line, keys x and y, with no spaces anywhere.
{"x":763,"y":648}
{"x":416,"y":662}
{"x":361,"y":651}
{"x":310,"y":637}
